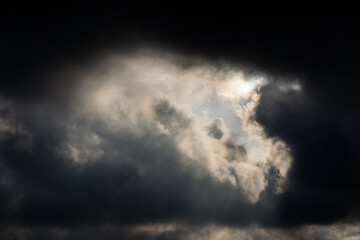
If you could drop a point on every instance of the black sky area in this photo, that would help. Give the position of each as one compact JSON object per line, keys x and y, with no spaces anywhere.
{"x":318,"y":47}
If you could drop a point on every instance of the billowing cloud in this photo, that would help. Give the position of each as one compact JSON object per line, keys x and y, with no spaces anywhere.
{"x":138,"y":123}
{"x":130,"y":148}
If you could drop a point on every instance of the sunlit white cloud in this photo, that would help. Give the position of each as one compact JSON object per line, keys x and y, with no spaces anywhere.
{"x":122,"y":93}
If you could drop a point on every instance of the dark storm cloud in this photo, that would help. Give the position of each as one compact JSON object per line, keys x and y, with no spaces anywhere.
{"x":137,"y":180}
{"x":38,"y":40}
{"x":321,"y":132}
{"x":320,"y":123}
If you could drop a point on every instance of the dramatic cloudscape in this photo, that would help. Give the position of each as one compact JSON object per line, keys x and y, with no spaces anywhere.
{"x":179,"y":121}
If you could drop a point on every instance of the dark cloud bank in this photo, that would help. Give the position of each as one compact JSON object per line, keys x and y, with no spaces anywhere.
{"x":41,"y":194}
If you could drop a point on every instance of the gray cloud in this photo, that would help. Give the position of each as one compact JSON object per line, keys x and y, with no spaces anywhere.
{"x":123,"y":148}
{"x":215,"y":129}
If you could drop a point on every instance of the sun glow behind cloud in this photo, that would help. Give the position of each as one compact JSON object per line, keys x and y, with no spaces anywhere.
{"x":238,"y":87}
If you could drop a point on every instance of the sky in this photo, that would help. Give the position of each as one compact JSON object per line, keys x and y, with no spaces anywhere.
{"x":179,"y":121}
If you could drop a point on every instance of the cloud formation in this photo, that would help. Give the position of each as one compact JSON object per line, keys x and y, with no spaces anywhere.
{"x":129,"y":149}
{"x":140,"y":123}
